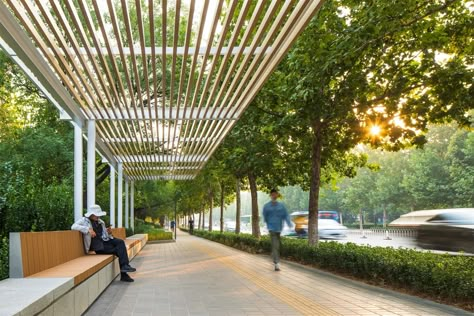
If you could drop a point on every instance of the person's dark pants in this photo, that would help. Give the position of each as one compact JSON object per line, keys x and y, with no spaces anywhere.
{"x":276,"y":242}
{"x":116,"y":247}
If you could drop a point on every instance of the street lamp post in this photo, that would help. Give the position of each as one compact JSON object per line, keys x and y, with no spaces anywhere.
{"x":175,"y":222}
{"x":177,"y":195}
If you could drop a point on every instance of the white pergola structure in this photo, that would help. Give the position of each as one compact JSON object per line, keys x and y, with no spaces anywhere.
{"x":156,"y":84}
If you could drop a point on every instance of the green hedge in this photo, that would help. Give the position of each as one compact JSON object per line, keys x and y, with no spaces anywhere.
{"x":129,"y":232}
{"x":144,"y":228}
{"x":159,"y":235}
{"x":4,"y":258}
{"x":443,"y":277}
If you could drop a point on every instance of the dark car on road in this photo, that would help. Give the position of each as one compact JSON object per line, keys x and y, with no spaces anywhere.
{"x":450,"y":231}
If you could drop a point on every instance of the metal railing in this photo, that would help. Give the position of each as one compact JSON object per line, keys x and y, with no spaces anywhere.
{"x":390,"y":232}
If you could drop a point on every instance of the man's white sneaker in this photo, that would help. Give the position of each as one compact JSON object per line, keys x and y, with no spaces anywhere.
{"x":277,"y":267}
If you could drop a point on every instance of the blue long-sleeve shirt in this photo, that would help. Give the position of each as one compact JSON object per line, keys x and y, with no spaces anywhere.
{"x":274,"y":214}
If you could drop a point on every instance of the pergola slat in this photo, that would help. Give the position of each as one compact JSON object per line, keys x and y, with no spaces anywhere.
{"x":202,"y":128}
{"x":300,"y":20}
{"x":166,"y":89}
{"x":85,"y":65}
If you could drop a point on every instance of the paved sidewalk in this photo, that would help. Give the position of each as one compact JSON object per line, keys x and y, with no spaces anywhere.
{"x":198,"y":277}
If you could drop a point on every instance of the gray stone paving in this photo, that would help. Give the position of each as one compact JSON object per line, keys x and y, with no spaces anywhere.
{"x":197,"y":277}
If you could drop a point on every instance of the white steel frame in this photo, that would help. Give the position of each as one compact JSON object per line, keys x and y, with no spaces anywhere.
{"x":95,"y":66}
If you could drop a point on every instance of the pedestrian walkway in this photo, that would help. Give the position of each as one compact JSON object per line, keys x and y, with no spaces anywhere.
{"x":198,"y":277}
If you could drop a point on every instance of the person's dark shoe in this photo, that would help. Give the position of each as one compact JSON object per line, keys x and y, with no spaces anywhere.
{"x":126,"y":278}
{"x":127,"y":268}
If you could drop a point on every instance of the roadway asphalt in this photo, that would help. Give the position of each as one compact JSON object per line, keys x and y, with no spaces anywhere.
{"x":379,"y":240}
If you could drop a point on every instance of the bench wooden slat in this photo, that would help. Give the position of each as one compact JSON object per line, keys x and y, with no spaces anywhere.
{"x":131,"y":242}
{"x":43,"y":250}
{"x":119,"y":233}
{"x":92,"y":272}
{"x":80,"y":268}
{"x":61,"y":254}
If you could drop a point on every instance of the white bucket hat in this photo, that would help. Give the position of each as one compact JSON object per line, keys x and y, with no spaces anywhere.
{"x":94,"y":210}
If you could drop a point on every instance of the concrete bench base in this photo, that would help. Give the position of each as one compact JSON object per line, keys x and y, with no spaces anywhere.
{"x":60,"y":295}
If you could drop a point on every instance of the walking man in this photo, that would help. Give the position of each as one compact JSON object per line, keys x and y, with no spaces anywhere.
{"x":274,"y":214}
{"x":191,"y":225}
{"x":99,"y":238}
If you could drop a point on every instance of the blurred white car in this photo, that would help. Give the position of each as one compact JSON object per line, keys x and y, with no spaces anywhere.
{"x":327,"y":229}
{"x":229,"y":226}
{"x":288,"y":231}
{"x":330,"y":229}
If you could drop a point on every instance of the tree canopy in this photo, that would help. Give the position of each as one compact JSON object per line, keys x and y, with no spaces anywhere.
{"x":396,"y":65}
{"x":363,"y":72}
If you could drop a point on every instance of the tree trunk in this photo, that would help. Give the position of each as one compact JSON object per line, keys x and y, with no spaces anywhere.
{"x":211,"y":206}
{"x":222,"y":207}
{"x":313,"y":236}
{"x":255,"y":215}
{"x":384,"y":217}
{"x":199,"y":222}
{"x":203,"y":219}
{"x":238,"y":206}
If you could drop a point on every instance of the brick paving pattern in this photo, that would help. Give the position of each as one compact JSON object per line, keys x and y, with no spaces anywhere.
{"x":197,"y":277}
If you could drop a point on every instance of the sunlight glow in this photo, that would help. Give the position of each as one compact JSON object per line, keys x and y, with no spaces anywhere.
{"x":375,"y":130}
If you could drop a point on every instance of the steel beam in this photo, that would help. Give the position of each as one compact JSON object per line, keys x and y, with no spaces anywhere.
{"x":132,"y":205}
{"x":159,"y":140}
{"x":19,"y":47}
{"x":170,"y":177}
{"x":169,"y":50}
{"x":112,"y":196}
{"x":78,"y":175}
{"x":120,"y":196}
{"x":127,"y":205}
{"x":159,"y":114}
{"x":90,"y":163}
{"x":161,"y":168}
{"x":161,"y":158}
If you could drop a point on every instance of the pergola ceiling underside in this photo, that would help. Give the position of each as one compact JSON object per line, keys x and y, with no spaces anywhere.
{"x":165,"y":81}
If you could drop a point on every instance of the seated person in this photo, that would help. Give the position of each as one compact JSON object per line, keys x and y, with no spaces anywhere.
{"x":98,"y":238}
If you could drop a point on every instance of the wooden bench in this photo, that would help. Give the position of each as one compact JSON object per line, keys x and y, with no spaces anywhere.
{"x":54,"y":256}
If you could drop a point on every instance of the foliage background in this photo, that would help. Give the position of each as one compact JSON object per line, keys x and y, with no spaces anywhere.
{"x":354,"y":54}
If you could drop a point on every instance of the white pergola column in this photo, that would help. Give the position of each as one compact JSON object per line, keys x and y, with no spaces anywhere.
{"x":119,"y":196}
{"x":132,"y":205}
{"x":78,"y":176}
{"x":90,"y":163}
{"x":127,"y":205}
{"x":112,"y":196}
